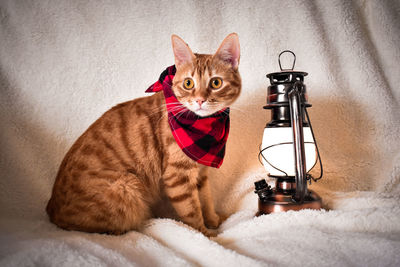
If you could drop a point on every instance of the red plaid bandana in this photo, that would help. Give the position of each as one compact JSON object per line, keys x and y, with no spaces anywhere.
{"x":202,"y":139}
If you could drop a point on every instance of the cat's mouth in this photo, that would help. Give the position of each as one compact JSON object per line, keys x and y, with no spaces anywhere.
{"x":203,"y":112}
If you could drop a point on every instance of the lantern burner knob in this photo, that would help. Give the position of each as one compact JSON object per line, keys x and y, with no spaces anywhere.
{"x":263,"y":190}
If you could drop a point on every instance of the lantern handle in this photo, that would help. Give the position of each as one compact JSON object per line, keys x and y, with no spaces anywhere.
{"x":279,"y":59}
{"x":319,"y":156}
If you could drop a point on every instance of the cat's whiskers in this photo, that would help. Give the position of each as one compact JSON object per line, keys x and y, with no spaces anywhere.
{"x":180,"y":109}
{"x":164,"y":106}
{"x":179,"y":115}
{"x":238,"y":109}
{"x":159,"y":108}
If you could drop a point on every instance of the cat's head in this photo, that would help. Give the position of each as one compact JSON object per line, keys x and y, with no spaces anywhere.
{"x":206,"y":84}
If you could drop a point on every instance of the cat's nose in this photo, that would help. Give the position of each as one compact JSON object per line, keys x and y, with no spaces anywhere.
{"x":200,"y":101}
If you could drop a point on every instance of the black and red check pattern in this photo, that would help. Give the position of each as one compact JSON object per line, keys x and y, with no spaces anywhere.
{"x":202,"y":139}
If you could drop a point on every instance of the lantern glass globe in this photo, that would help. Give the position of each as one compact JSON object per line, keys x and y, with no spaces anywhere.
{"x":280,"y":153}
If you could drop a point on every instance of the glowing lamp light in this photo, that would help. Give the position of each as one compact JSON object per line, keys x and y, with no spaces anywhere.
{"x":278,"y":154}
{"x":288,"y":150}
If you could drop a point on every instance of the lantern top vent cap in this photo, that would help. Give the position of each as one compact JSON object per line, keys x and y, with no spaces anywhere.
{"x":286,"y":75}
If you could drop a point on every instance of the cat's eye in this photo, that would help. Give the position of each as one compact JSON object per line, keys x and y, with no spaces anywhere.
{"x":188,"y":83}
{"x":216,"y":83}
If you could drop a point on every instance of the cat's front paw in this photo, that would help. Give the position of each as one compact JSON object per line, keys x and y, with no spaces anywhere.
{"x":214,"y":221}
{"x":209,"y":232}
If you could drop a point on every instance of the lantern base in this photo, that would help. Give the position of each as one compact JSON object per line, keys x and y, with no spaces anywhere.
{"x":279,"y":201}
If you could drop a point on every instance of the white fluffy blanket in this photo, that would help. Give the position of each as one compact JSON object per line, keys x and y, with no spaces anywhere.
{"x":64,"y":63}
{"x":363,"y":230}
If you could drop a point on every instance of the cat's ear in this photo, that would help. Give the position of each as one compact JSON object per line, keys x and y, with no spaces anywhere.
{"x":229,"y":50}
{"x":183,"y":54}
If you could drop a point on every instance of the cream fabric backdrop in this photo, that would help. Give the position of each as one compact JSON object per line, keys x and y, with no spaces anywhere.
{"x":64,"y":63}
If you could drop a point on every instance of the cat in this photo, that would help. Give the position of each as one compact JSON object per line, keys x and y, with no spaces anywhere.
{"x":125,"y":161}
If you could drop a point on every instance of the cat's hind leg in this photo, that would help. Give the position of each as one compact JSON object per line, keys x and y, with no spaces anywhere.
{"x":100,"y":201}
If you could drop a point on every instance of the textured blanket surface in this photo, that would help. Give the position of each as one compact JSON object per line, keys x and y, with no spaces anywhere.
{"x":363,"y":230}
{"x":64,"y":63}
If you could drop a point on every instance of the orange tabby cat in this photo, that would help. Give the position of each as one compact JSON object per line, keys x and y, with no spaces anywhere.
{"x":118,"y":169}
